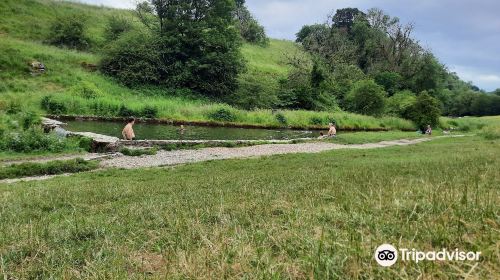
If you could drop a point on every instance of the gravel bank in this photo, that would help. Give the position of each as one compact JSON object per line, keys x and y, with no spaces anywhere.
{"x":164,"y":158}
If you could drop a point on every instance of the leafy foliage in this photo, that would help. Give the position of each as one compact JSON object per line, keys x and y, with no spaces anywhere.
{"x":425,"y":111}
{"x":69,"y":31}
{"x":366,"y":97}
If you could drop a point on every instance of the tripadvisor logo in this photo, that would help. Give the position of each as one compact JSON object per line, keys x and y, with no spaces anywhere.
{"x":387,"y":255}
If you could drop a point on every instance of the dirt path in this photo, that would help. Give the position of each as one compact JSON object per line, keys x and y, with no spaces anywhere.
{"x":166,"y":158}
{"x":163,"y":158}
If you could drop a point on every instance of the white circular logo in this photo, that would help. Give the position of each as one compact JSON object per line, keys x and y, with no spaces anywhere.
{"x":386,"y":255}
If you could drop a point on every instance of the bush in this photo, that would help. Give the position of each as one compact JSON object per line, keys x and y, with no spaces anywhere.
{"x":52,"y":106}
{"x":86,"y":90}
{"x":281,"y":119}
{"x":150,"y":112}
{"x":48,"y":168}
{"x":132,"y":59}
{"x":366,"y":97}
{"x":425,"y":111}
{"x":124,"y":111}
{"x":223,"y":115}
{"x":116,"y":26}
{"x":316,"y":121}
{"x":398,"y":104}
{"x":32,"y":140}
{"x":69,"y":31}
{"x":30,"y":119}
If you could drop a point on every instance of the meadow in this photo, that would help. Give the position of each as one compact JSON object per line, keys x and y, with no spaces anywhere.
{"x":282,"y":217}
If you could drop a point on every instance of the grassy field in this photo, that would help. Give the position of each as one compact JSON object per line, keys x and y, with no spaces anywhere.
{"x":294,"y":216}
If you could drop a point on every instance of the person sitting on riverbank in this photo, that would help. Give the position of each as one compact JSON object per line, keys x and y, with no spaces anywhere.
{"x":128,"y":131}
{"x":332,"y":132}
{"x":428,"y":131}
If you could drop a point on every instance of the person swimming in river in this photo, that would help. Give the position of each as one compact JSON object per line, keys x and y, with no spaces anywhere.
{"x":128,"y":130}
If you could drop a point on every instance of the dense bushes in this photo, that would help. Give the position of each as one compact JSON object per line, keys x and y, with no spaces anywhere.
{"x":69,"y":31}
{"x":48,"y":168}
{"x":133,"y":59}
{"x":366,"y":97}
{"x":223,"y":115}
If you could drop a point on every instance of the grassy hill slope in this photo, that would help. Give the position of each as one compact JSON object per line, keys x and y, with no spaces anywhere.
{"x":24,"y":26}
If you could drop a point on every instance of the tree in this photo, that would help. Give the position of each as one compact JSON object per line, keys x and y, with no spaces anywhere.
{"x":195,"y":43}
{"x":307,"y":30}
{"x":344,"y":18}
{"x":366,"y":97}
{"x":497,"y":92}
{"x":391,"y":81}
{"x":399,"y":103}
{"x":69,"y":31}
{"x":249,"y":28}
{"x":425,"y":111}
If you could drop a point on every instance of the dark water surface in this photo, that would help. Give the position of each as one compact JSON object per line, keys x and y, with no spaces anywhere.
{"x":171,"y":132}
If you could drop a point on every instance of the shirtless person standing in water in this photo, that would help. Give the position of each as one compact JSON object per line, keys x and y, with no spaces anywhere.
{"x":128,"y":131}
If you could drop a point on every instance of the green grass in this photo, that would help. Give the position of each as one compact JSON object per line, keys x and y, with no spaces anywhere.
{"x":372,"y":137}
{"x":291,"y":216}
{"x":27,"y":169}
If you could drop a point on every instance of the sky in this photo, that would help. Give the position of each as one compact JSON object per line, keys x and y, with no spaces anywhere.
{"x":464,"y":35}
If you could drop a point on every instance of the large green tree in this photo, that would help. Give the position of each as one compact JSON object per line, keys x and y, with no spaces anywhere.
{"x":197,"y":41}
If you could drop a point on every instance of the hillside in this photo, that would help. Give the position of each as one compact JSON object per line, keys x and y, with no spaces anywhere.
{"x":24,"y":25}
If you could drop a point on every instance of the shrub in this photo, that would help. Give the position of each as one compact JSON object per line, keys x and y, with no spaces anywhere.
{"x":52,"y":106}
{"x":86,"y":90}
{"x":33,"y":140}
{"x":366,"y":97}
{"x":281,"y":119}
{"x":425,"y":111}
{"x":398,"y":104}
{"x":85,"y":143}
{"x":30,"y":119}
{"x":132,"y":59}
{"x":48,"y":168}
{"x":124,"y":111}
{"x":223,"y":115}
{"x":116,"y":26}
{"x":149,"y":112}
{"x":69,"y":31}
{"x":316,"y":121}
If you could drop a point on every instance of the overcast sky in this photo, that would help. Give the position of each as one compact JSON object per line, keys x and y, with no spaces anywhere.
{"x":464,"y":35}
